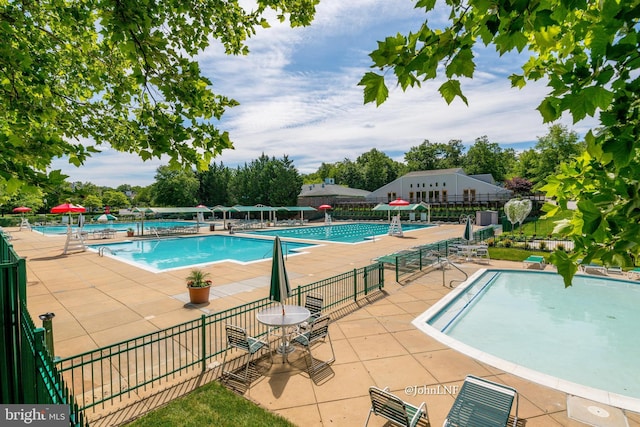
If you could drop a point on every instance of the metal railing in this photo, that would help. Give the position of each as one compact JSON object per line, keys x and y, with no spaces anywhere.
{"x":422,"y":257}
{"x":28,"y":374}
{"x":120,"y":370}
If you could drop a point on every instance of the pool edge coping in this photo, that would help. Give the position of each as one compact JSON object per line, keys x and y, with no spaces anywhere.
{"x":556,"y":383}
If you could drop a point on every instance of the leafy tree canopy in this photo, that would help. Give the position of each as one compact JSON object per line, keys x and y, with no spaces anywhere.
{"x":117,"y":73}
{"x":587,"y":51}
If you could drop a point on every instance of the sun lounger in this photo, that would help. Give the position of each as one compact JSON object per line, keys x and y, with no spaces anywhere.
{"x":482,"y":402}
{"x":594,"y":269}
{"x":534,"y":261}
{"x":634,"y":274}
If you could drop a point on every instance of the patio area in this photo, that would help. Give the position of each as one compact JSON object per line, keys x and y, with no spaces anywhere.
{"x":98,"y":300}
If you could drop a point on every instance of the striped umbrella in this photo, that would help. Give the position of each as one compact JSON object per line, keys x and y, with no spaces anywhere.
{"x":280,"y":289}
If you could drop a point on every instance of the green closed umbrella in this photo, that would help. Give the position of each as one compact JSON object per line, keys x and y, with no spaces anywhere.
{"x":468,"y":230}
{"x":280,"y":289}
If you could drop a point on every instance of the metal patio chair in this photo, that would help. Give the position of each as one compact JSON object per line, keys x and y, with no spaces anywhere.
{"x":237,"y":338}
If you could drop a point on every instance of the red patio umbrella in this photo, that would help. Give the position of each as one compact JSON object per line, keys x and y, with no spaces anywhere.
{"x":68,"y":208}
{"x":399,"y":202}
{"x":21,"y":209}
{"x":323,"y":207}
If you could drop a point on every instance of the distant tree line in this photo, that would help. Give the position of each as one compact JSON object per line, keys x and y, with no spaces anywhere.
{"x":277,"y":182}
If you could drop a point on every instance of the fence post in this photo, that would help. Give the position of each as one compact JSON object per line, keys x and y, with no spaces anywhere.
{"x":47,"y":325}
{"x":203,"y":342}
{"x":366,"y":280}
{"x":31,"y":388}
{"x":355,"y":285}
{"x":380,"y":276}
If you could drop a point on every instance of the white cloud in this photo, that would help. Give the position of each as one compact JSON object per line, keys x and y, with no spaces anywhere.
{"x":299,"y":97}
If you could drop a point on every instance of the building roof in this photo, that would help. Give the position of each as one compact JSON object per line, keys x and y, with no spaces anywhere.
{"x":324,"y":190}
{"x":435,"y":172}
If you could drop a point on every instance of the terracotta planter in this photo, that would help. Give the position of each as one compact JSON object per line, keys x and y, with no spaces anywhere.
{"x":129,"y":233}
{"x":199,"y":295}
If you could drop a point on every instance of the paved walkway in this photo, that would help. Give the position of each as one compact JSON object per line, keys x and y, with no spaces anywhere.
{"x":98,"y":301}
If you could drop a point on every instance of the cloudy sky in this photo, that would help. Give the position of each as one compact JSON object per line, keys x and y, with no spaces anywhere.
{"x":299,"y":97}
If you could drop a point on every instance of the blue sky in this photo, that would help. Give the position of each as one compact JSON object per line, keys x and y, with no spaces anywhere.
{"x":299,"y":97}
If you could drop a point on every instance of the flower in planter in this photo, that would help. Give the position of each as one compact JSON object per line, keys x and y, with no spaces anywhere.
{"x":198,"y":279}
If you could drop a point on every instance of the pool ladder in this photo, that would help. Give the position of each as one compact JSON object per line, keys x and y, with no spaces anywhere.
{"x":102,"y":250}
{"x":447,"y":262}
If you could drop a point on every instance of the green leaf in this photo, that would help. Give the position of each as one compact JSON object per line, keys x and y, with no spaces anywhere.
{"x":462,"y":64}
{"x":591,"y":216}
{"x":374,"y":88}
{"x":549,"y":110}
{"x":450,"y":89}
{"x":566,"y":267}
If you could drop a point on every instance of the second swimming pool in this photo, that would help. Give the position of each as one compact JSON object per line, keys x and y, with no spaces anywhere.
{"x":581,"y":340}
{"x":166,"y":254}
{"x":341,"y":233}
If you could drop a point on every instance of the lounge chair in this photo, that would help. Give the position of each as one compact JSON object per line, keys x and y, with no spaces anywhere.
{"x":614,"y":270}
{"x":482,"y":402}
{"x":633,"y":274}
{"x":534,"y":261}
{"x":594,"y":269}
{"x":482,"y":255}
{"x":394,"y":409}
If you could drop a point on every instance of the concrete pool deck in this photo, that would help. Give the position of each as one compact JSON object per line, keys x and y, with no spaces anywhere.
{"x":99,"y":300}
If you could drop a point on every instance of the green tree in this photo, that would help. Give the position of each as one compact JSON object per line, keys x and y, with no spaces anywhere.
{"x":430,"y":156}
{"x":214,"y":185}
{"x":377,"y":169}
{"x":557,"y":146}
{"x":93,"y":202}
{"x":526,"y":165}
{"x":488,"y":157}
{"x":115,"y":199}
{"x":588,"y":53}
{"x":175,"y":187}
{"x":349,"y":173}
{"x":120,"y":73}
{"x":267,"y":181}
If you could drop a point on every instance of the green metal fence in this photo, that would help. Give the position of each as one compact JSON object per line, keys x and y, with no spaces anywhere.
{"x":408,"y":263}
{"x":120,"y":370}
{"x":28,"y":374}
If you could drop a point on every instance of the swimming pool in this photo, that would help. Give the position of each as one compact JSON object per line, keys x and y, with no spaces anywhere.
{"x":159,"y":255}
{"x":115,"y":225}
{"x":581,"y":340}
{"x":341,"y":233}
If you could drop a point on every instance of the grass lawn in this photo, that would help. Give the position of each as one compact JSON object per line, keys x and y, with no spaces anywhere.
{"x":512,"y":254}
{"x":211,"y":405}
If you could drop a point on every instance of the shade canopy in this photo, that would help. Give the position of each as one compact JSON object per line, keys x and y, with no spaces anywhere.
{"x":68,"y":208}
{"x":21,"y":209}
{"x":280,"y":289}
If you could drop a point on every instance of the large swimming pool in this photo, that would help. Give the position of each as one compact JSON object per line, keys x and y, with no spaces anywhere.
{"x":582,"y":340}
{"x":341,"y":233}
{"x":159,"y":255}
{"x":114,"y":225}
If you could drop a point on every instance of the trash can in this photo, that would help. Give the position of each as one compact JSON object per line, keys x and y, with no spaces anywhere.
{"x":212,"y":227}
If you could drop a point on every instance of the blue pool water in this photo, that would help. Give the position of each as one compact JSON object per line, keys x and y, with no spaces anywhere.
{"x":342,"y":233}
{"x":115,"y":225}
{"x":585,"y":334}
{"x":166,"y":254}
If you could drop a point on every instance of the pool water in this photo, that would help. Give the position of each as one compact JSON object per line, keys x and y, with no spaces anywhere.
{"x":341,"y":233}
{"x":585,"y":334}
{"x":167,"y":254}
{"x":115,"y":225}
